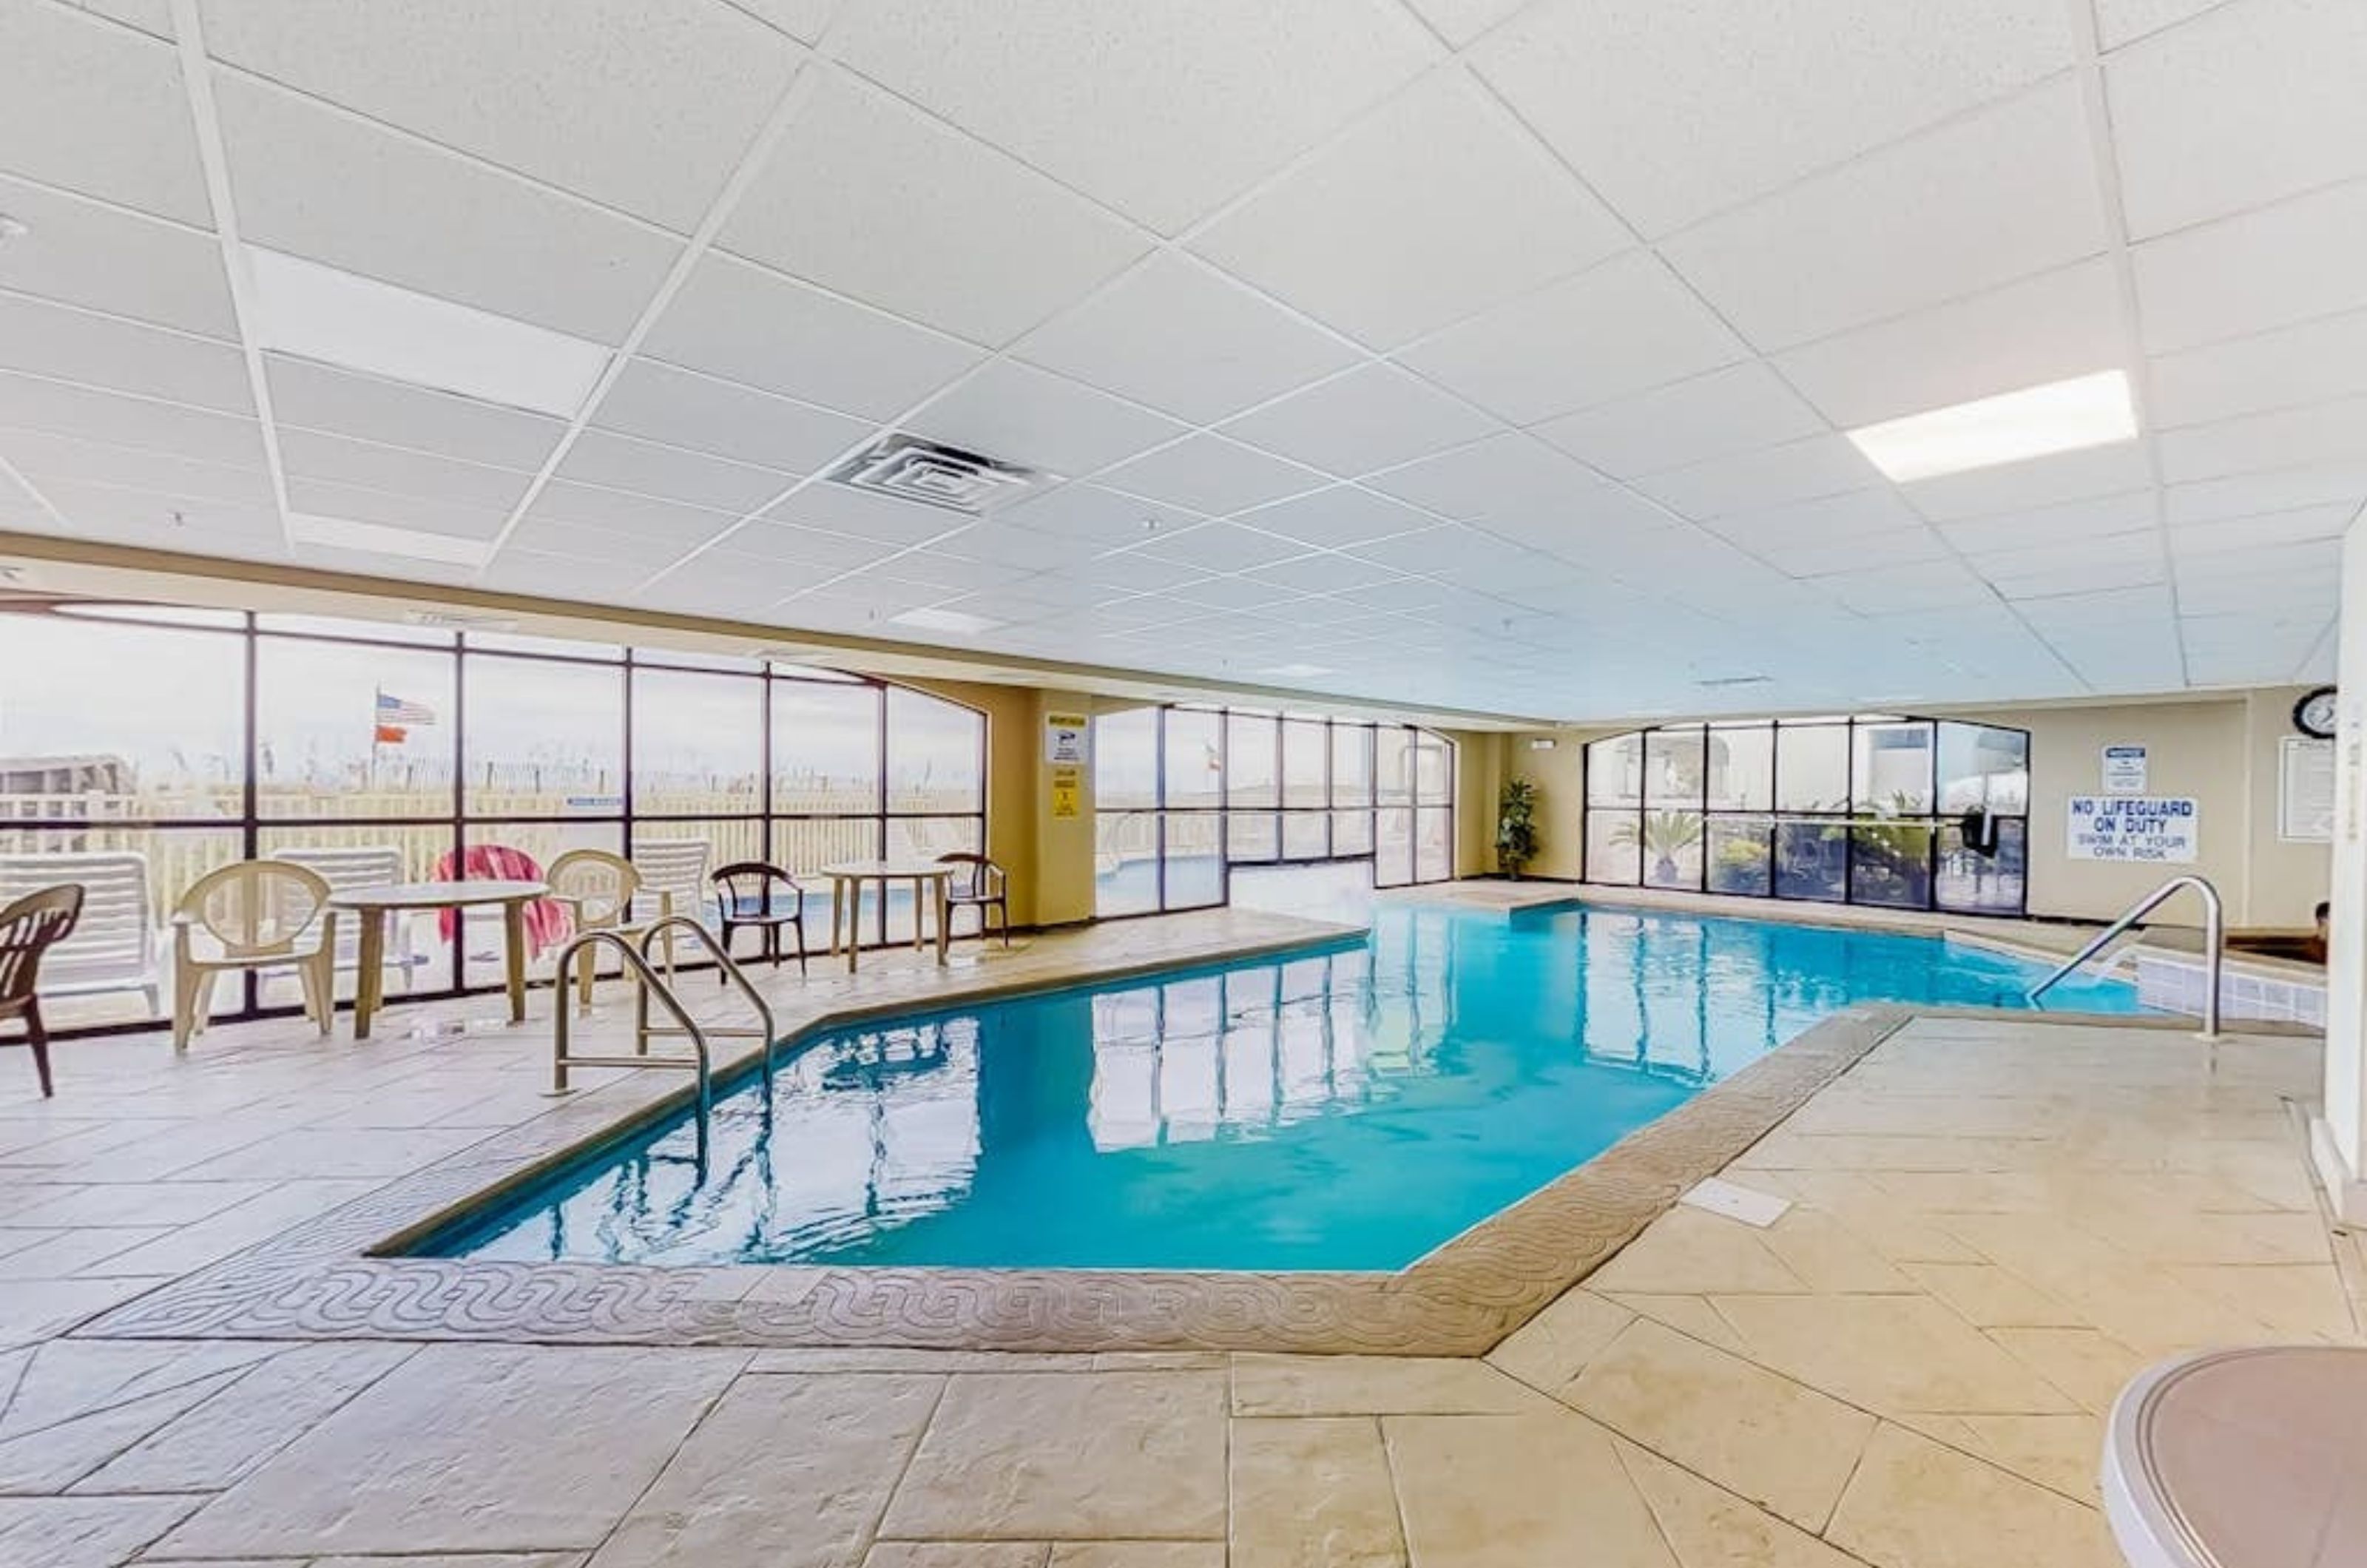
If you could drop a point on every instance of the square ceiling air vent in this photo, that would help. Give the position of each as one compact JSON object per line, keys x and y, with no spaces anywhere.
{"x":909,"y":468}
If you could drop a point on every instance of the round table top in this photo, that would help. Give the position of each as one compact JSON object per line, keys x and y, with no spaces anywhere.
{"x":437,"y":894}
{"x":889,"y":869}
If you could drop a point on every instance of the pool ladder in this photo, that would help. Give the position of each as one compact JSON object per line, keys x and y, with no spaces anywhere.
{"x":2214,"y":943}
{"x":647,"y":984}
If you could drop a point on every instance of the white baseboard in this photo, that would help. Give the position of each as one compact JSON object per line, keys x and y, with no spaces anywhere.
{"x":2345,"y":1192}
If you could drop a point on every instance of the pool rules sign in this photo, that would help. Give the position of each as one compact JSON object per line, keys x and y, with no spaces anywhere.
{"x":2151,"y":830}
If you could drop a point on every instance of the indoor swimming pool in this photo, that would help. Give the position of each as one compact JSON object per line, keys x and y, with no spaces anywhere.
{"x":1350,"y":1108}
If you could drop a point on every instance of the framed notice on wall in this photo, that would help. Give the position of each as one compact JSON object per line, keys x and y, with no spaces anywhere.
{"x":2144,"y":828}
{"x":2306,"y":791}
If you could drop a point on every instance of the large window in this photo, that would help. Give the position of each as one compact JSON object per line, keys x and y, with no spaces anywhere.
{"x":1184,"y":795}
{"x":155,"y":744}
{"x":1904,"y":812}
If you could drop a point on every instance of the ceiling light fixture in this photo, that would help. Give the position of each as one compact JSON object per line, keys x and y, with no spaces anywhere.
{"x":341,"y":318}
{"x":377,"y":540}
{"x":929,"y":620}
{"x":2061,"y":416}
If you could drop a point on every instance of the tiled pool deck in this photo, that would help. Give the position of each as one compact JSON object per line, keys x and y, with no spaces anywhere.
{"x":1995,"y":1222}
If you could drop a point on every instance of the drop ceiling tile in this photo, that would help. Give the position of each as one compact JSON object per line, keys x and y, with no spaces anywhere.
{"x":1403,"y":595}
{"x":1518,"y":487}
{"x":596,"y":506}
{"x":923,"y":220}
{"x":2107,"y":516}
{"x":33,"y":404}
{"x":2076,"y":566}
{"x":2281,"y":490}
{"x":1327,"y":573}
{"x":573,"y":574}
{"x":1616,"y":329}
{"x":150,"y":16}
{"x":2286,"y":438}
{"x":2049,"y":328}
{"x":2022,"y":198}
{"x":45,"y":458}
{"x":2119,"y":22}
{"x":650,"y":548}
{"x":1016,"y":413}
{"x":1098,"y":519}
{"x":1906,"y":548}
{"x":1160,"y":111}
{"x":998,"y":542}
{"x":1437,"y":207}
{"x":1223,"y":546}
{"x":871,"y":591}
{"x":99,"y":110}
{"x":1209,"y":474}
{"x":1337,"y":517}
{"x":802,"y":20}
{"x":393,"y":414}
{"x":391,"y":509}
{"x":2314,"y":362}
{"x":135,"y":516}
{"x":1771,"y":475}
{"x":2244,"y":106}
{"x":319,"y":184}
{"x":342,"y":460}
{"x":1917,"y":585}
{"x":101,"y":351}
{"x":79,"y":253}
{"x":1621,"y":87}
{"x":865,"y":515}
{"x":1135,"y":573}
{"x":1825,"y":520}
{"x":749,"y":325}
{"x":1460,"y":21}
{"x":2103,"y":611}
{"x":721,"y":583}
{"x":2039,"y":482}
{"x":622,"y":463}
{"x":806,"y":546}
{"x":1374,"y":417}
{"x":2234,"y":535}
{"x":2293,"y":262}
{"x":659,"y":403}
{"x":955,"y":574}
{"x":1735,"y":410}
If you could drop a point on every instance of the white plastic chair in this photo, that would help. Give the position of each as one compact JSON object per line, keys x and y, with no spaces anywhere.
{"x":254,"y":914}
{"x":113,"y":947}
{"x":673,"y":882}
{"x":347,"y":870}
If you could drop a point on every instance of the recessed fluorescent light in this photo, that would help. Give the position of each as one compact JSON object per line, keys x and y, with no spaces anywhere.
{"x":341,"y":317}
{"x":945,"y":621}
{"x":376,"y":538}
{"x":1296,"y":672}
{"x":2061,"y":416}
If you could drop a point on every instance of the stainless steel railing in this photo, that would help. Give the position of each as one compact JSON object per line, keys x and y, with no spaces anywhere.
{"x":765,"y":1027}
{"x":2214,"y":947}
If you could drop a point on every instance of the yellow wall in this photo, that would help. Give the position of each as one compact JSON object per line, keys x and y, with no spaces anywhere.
{"x":1479,"y":775}
{"x":1559,"y":775}
{"x":1050,"y":859}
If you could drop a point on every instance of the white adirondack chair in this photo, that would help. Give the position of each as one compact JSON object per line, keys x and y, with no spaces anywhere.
{"x":114,"y":946}
{"x":344,"y":869}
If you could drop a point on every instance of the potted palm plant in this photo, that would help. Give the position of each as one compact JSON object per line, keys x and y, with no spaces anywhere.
{"x":1516,"y":826}
{"x":1663,"y":835}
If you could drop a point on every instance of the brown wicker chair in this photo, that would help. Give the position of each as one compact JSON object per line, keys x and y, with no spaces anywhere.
{"x":29,"y":927}
{"x":979,"y":885}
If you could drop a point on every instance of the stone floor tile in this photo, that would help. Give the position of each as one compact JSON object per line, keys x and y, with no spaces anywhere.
{"x":67,"y":1379}
{"x":1550,"y":1350}
{"x":2289,"y":1298}
{"x":1913,"y":1504}
{"x":826,"y":1358}
{"x":1889,"y":1353}
{"x":335,"y":1153}
{"x":1708,"y":1526}
{"x":138,"y":1203}
{"x":1136,"y":1554}
{"x":1783,"y":1446}
{"x":1372,"y":1385}
{"x":220,"y":1441}
{"x":1829,"y":1256}
{"x":61,"y":1254}
{"x":1989,"y":1297}
{"x":1688,"y":1252}
{"x":83,"y":1532}
{"x":2089,"y":1366}
{"x":1313,"y":1493}
{"x":449,"y":1560}
{"x":1518,"y":1491}
{"x":472,"y":1448}
{"x":2057,"y":1451}
{"x":1097,"y":1456}
{"x":53,"y":1457}
{"x":957,"y":1554}
{"x":786,"y":1471}
{"x":35,"y":1310}
{"x":1691,"y":1315}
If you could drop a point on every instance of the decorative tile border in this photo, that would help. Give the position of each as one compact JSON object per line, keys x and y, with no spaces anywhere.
{"x":322,"y":1280}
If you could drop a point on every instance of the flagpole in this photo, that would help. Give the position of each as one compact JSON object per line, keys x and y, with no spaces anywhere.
{"x":378,"y":702}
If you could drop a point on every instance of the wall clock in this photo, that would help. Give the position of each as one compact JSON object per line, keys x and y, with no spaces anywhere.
{"x":2315,"y":713}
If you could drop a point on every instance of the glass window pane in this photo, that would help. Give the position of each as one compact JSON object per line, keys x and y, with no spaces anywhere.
{"x":680,"y":858}
{"x":348,"y":730}
{"x":543,"y":738}
{"x":803,"y":846}
{"x":1811,"y":860}
{"x":698,"y":743}
{"x":1981,"y":765}
{"x":825,"y":747}
{"x":1739,"y":854}
{"x":1393,"y":854}
{"x":1614,"y":847}
{"x":1194,"y":859}
{"x":1892,"y":769}
{"x":418,"y":956}
{"x":508,"y":642}
{"x":1250,"y":760}
{"x":1672,"y":845}
{"x":1125,"y":862}
{"x":1251,"y":836}
{"x":1614,"y":770}
{"x":935,"y":751}
{"x":1673,"y":767}
{"x":1305,"y":756}
{"x":1126,"y":761}
{"x":1812,"y":767}
{"x":1352,"y":832}
{"x":1352,"y":764}
{"x":1393,"y":764}
{"x":1195,"y":766}
{"x":1433,"y":769}
{"x":125,"y":721}
{"x":1306,"y":835}
{"x":1741,"y":769}
{"x":1890,"y":864}
{"x":924,"y":838}
{"x":116,"y":967}
{"x":1992,"y":884}
{"x":1434,"y":859}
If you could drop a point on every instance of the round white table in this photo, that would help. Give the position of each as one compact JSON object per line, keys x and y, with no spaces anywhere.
{"x":846,"y":882}
{"x":376,"y":905}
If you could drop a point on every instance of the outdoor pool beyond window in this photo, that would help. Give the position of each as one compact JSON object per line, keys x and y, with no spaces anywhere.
{"x":1349,"y":1110}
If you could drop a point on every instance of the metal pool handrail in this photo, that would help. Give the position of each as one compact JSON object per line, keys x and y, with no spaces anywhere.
{"x":2213,"y":943}
{"x":562,"y":1058}
{"x":766,"y":1029}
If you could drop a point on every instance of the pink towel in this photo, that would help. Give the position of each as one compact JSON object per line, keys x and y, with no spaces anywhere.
{"x":546,"y":918}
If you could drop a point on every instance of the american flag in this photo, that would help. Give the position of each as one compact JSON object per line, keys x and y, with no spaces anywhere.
{"x":395,"y":710}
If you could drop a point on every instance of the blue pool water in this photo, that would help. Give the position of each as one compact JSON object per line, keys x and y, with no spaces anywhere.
{"x":1349,"y":1110}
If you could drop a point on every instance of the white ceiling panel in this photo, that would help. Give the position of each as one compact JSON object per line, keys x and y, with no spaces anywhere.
{"x":152,"y":17}
{"x":2278,"y":490}
{"x":1212,"y":475}
{"x":2237,"y":108}
{"x":1911,"y":586}
{"x":2293,"y":262}
{"x":317,"y":397}
{"x":1134,"y":573}
{"x":1821,"y":520}
{"x":2096,"y":517}
{"x":1517,"y":487}
{"x":1223,"y":546}
{"x":1182,"y":337}
{"x":650,"y":548}
{"x":2038,"y":481}
{"x":2234,"y":535}
{"x":622,"y":463}
{"x":2022,"y":198}
{"x":1337,"y":517}
{"x":342,"y":460}
{"x":2120,"y":22}
{"x":573,"y":573}
{"x":135,"y":516}
{"x":1771,"y":475}
{"x":1327,"y":573}
{"x":2306,"y":364}
{"x":1098,"y":519}
{"x":102,"y":258}
{"x":1373,"y":417}
{"x":607,"y":117}
{"x":1612,"y":329}
{"x":104,"y":351}
{"x":808,"y":548}
{"x":660,"y":402}
{"x":1435,"y":208}
{"x":954,"y":574}
{"x":865,"y":514}
{"x":43,"y":458}
{"x":1620,"y":87}
{"x":994,"y":543}
{"x":97,"y":109}
{"x":2285,"y":439}
{"x":1016,"y":413}
{"x":2049,"y":328}
{"x":870,"y":199}
{"x":1160,"y":111}
{"x":332,"y":189}
{"x":391,"y":509}
{"x":721,"y":583}
{"x":1736,"y":409}
{"x":596,"y":506}
{"x":747,"y":324}
{"x":96,"y":416}
{"x":2076,"y":566}
{"x":1826,"y":557}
